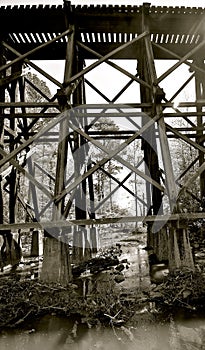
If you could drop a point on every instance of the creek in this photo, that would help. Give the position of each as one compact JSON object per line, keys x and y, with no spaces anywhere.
{"x":146,"y":330}
{"x":57,"y":333}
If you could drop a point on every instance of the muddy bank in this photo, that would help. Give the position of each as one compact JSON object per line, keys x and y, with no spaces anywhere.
{"x":112,"y":303}
{"x":111,"y":289}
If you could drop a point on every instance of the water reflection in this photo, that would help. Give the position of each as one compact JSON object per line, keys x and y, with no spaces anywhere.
{"x":145,"y":332}
{"x":54,"y":333}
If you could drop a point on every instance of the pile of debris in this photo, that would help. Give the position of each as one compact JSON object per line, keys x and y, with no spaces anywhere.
{"x":182,"y":289}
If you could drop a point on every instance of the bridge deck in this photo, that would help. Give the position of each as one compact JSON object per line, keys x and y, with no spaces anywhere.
{"x":102,"y":28}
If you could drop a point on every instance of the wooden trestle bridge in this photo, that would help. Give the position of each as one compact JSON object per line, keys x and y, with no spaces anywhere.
{"x":84,"y":38}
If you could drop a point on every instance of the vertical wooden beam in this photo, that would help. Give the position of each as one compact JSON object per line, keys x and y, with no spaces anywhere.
{"x":10,"y":250}
{"x":154,"y":195}
{"x":13,"y":175}
{"x":35,"y":233}
{"x":56,"y":263}
{"x":200,"y":95}
{"x":81,"y":246}
{"x":179,"y":249}
{"x":158,"y":95}
{"x":31,"y":170}
{"x":2,"y":99}
{"x":168,"y":169}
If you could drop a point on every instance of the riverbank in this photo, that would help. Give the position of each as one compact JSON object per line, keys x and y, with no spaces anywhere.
{"x":34,"y":315}
{"x":114,"y":294}
{"x":111,"y":303}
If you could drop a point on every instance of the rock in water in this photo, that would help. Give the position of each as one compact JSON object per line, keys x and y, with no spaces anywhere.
{"x":119,"y":278}
{"x":158,"y":273}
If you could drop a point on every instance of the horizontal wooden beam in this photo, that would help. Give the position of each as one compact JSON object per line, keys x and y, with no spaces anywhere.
{"x":128,"y":105}
{"x":180,"y":218}
{"x":29,"y":115}
{"x":28,"y":105}
{"x":90,"y":115}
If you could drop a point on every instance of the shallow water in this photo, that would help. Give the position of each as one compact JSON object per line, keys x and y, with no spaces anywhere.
{"x":145,"y":331}
{"x":54,"y":333}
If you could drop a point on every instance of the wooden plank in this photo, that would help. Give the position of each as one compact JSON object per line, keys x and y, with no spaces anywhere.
{"x":170,"y":181}
{"x":128,"y":105}
{"x":42,"y":225}
{"x":28,"y":104}
{"x":33,"y":189}
{"x":183,"y":114}
{"x":28,"y":115}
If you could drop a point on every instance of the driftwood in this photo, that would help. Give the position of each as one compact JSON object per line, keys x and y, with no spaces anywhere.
{"x":95,"y":265}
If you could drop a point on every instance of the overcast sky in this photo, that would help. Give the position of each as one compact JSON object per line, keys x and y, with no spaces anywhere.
{"x":186,"y":3}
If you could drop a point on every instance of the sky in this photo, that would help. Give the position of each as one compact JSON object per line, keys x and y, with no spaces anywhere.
{"x":186,"y":3}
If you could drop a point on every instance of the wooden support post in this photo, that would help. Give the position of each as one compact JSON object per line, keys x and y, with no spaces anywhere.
{"x":35,"y":243}
{"x":80,"y":150}
{"x":185,"y":248}
{"x":154,"y":195}
{"x":173,"y":249}
{"x":56,"y":247}
{"x":93,"y":231}
{"x":13,"y":173}
{"x":200,"y":95}
{"x":175,"y":260}
{"x":158,"y":96}
{"x":2,"y":99}
{"x":94,"y":239}
{"x":12,"y":252}
{"x":35,"y":234}
{"x":180,"y":253}
{"x":160,"y":244}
